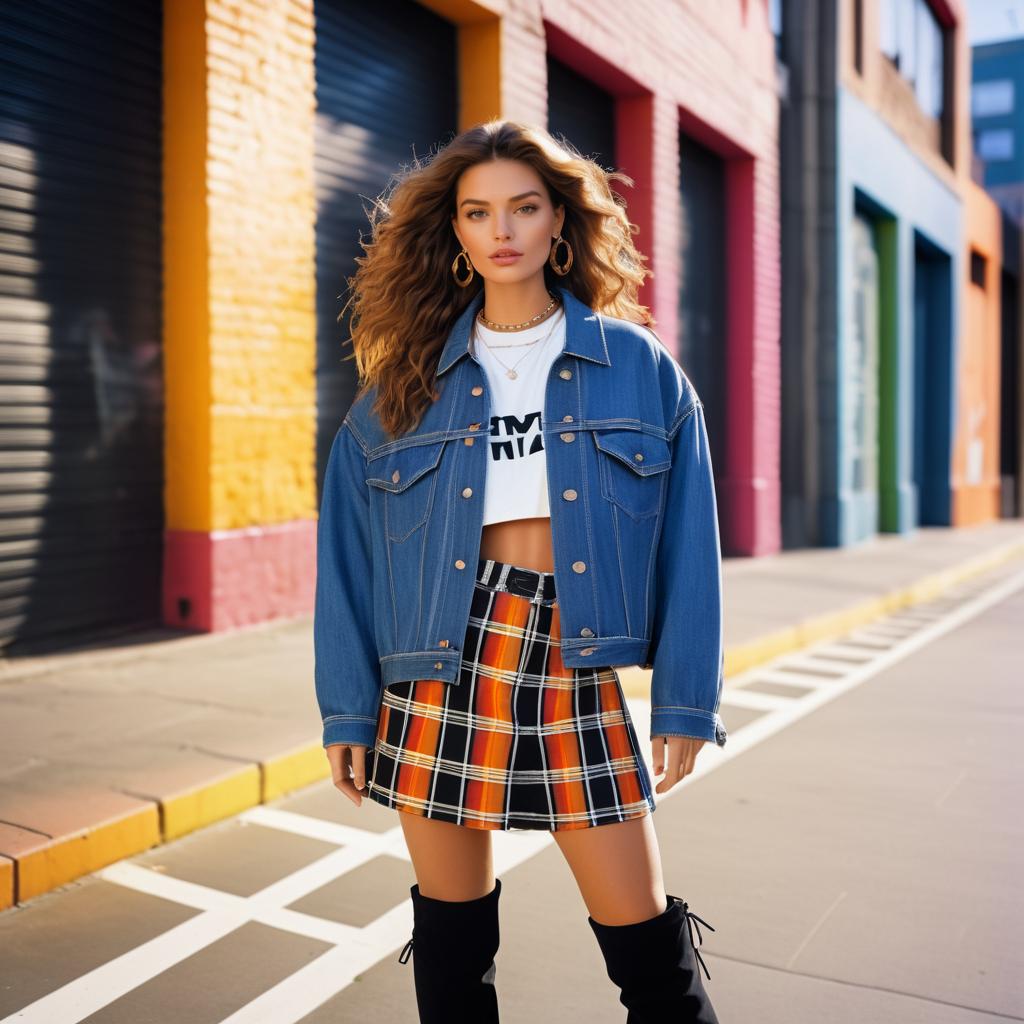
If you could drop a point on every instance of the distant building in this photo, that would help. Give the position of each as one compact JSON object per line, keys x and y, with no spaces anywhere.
{"x":997,"y":121}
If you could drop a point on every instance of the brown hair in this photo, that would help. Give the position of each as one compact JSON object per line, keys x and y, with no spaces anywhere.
{"x":404,"y":298}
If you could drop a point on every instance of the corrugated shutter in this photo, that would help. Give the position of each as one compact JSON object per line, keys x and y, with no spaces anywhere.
{"x":703,"y":284}
{"x":386,"y":89}
{"x":81,"y":387}
{"x":583,"y":112}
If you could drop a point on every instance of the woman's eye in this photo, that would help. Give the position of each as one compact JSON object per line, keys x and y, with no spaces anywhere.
{"x":526,"y":206}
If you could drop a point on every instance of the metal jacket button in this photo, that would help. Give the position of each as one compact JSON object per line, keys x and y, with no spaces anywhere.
{"x":579,"y":566}
{"x":569,"y":494}
{"x":567,"y":437}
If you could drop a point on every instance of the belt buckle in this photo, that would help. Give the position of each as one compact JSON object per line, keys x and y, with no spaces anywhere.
{"x":519,"y":578}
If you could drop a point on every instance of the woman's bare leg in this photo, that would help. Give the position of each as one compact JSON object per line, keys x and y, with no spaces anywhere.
{"x":452,"y":862}
{"x":617,"y":868}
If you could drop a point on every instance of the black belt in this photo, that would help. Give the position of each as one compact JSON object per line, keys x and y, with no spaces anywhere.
{"x":519,"y":580}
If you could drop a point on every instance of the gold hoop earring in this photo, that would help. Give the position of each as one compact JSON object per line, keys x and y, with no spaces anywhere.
{"x":560,"y":268}
{"x":462,"y":282}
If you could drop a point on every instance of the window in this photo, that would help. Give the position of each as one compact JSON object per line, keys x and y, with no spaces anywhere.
{"x":996,"y":144}
{"x":991,"y":98}
{"x":887,"y":29}
{"x":911,"y":37}
{"x":977,"y":268}
{"x":906,"y":57}
{"x":858,"y":35}
{"x":775,"y":22}
{"x":928,"y":84}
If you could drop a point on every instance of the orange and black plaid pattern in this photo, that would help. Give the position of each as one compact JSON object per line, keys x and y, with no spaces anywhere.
{"x":521,"y":742}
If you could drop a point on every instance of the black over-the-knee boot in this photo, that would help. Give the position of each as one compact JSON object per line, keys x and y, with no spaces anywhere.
{"x":453,"y":946}
{"x":654,"y":963}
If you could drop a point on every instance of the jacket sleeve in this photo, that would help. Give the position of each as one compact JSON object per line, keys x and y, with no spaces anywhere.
{"x":686,"y":650}
{"x":346,"y":665}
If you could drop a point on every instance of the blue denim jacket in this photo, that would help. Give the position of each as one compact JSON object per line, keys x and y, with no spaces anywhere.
{"x":633,"y":519}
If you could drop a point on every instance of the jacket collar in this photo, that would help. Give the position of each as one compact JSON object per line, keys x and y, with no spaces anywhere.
{"x":584,"y":332}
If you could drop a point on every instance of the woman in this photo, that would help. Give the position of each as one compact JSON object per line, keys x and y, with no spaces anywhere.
{"x":476,"y":306}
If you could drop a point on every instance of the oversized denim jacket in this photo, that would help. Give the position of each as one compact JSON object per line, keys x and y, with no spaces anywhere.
{"x":633,"y":519}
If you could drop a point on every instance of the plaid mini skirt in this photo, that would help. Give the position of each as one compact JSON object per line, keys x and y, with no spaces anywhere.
{"x":521,"y":742}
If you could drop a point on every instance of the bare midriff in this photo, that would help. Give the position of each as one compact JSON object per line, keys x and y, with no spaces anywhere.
{"x":522,"y":542}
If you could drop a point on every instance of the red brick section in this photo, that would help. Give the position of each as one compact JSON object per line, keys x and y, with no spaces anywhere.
{"x":708,"y":70}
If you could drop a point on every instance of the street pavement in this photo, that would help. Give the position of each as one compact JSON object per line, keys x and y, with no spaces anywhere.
{"x":854,"y":844}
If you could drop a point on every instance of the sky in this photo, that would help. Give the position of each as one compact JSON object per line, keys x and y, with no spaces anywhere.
{"x":989,"y":21}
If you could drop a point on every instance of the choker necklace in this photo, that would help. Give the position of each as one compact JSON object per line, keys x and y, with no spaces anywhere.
{"x":510,"y":371}
{"x":495,"y":326}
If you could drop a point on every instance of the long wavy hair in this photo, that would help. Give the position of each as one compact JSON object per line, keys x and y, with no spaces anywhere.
{"x":404,"y":299}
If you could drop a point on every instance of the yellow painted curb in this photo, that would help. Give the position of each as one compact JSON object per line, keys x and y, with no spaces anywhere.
{"x":295,"y":770}
{"x":69,"y":858}
{"x":741,"y":657}
{"x":210,"y":803}
{"x":6,"y":882}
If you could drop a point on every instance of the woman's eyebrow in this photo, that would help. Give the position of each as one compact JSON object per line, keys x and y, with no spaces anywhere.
{"x":512,"y":199}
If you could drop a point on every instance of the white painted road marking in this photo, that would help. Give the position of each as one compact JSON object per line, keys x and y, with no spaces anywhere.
{"x":357,"y":949}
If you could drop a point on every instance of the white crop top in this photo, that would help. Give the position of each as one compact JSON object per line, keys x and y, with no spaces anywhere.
{"x":517,"y":483}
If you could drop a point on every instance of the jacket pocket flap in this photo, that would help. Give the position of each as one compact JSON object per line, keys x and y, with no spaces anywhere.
{"x":398,"y":469}
{"x":643,"y":453}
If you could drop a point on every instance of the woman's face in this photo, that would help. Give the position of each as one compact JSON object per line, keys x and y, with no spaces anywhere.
{"x":504,"y":204}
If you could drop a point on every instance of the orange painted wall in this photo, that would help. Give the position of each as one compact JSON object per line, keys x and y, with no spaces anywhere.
{"x":975,"y":469}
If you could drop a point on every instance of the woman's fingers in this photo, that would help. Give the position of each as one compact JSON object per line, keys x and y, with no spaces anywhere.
{"x":676,"y":756}
{"x":658,"y":754}
{"x":671,"y":777}
{"x":348,"y":769}
{"x":358,"y":766}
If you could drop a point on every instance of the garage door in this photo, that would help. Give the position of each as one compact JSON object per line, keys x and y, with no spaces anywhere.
{"x":386,"y":90}
{"x":81,"y":390}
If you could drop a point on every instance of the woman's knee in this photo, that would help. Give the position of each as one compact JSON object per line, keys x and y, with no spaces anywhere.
{"x":617,"y":868}
{"x":451,"y":862}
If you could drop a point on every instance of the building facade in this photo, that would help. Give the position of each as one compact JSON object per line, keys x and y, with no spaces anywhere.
{"x":187,"y":198}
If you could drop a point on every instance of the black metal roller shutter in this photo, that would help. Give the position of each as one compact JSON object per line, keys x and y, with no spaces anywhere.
{"x":386,"y":90}
{"x":81,"y":386}
{"x":704,"y":284}
{"x":582,"y":112}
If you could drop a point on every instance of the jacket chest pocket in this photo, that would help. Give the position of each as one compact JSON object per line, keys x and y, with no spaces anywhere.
{"x":632,"y":466}
{"x":408,"y":478}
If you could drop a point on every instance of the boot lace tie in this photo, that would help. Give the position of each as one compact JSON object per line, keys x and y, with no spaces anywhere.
{"x":691,"y":923}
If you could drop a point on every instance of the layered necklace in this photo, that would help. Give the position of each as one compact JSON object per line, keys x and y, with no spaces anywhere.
{"x":510,"y":371}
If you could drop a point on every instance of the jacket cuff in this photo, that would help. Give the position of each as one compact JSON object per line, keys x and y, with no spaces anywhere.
{"x":704,"y":725}
{"x":350,"y":729}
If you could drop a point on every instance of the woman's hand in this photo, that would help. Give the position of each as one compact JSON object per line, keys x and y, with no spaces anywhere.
{"x":343,"y":756}
{"x":677,"y":754}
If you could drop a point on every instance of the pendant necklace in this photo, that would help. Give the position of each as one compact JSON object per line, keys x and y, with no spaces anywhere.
{"x":510,"y":371}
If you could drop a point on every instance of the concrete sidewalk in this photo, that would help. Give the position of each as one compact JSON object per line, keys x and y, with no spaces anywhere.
{"x":108,"y":750}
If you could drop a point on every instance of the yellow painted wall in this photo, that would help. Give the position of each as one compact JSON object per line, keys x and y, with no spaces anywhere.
{"x":239,"y":252}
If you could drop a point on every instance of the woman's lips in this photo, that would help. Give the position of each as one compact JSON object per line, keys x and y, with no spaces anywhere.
{"x":507,"y":259}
